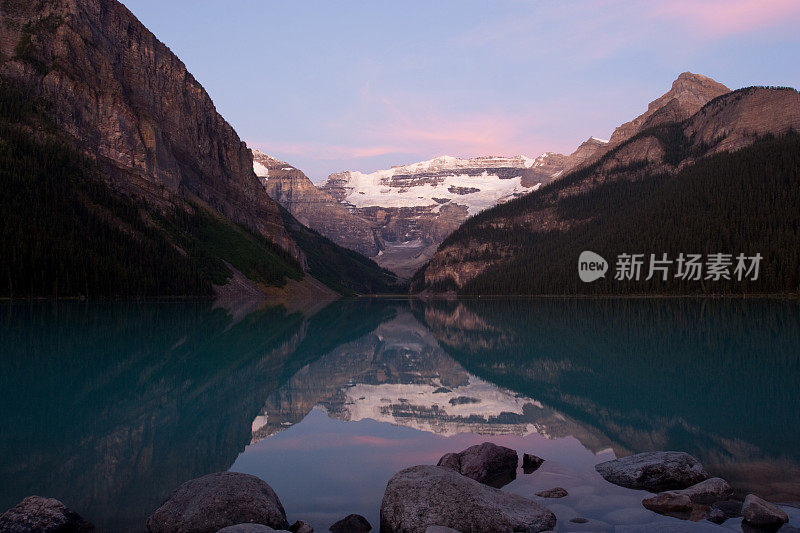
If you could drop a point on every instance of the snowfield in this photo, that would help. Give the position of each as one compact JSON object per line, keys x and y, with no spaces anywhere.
{"x":448,"y":182}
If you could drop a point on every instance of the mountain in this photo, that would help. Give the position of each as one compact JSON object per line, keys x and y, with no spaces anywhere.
{"x":124,"y":97}
{"x":314,"y":207}
{"x":688,"y":94}
{"x":725,"y":177}
{"x":120,"y":177}
{"x":412,"y":208}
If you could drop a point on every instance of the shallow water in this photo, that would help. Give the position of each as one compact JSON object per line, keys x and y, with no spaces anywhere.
{"x":110,"y":406}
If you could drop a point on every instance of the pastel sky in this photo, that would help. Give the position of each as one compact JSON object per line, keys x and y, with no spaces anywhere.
{"x":363,"y":85}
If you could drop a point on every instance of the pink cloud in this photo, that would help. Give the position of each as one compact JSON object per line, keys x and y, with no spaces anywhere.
{"x":720,"y":18}
{"x":409,"y":127}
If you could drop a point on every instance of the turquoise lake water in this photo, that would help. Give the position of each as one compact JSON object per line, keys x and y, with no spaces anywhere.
{"x":110,"y":406}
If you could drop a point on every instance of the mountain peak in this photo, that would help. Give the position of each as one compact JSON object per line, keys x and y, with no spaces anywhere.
{"x":689,"y":93}
{"x":691,"y":89}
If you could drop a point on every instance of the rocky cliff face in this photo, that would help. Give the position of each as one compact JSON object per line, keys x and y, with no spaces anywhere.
{"x":127,"y":100}
{"x":676,"y":131}
{"x":313,"y":207}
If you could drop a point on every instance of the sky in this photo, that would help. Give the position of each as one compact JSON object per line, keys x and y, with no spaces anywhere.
{"x":363,"y":85}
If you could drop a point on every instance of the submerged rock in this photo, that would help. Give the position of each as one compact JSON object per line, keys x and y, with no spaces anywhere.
{"x":668,"y":502}
{"x":654,"y":471}
{"x":761,"y":513}
{"x":486,"y":463}
{"x":531,"y":463}
{"x":709,"y":491}
{"x":441,"y":529}
{"x":301,"y":527}
{"x":732,"y":509}
{"x":716,"y":515}
{"x":423,"y":496}
{"x":579,"y":520}
{"x":354,"y":523}
{"x":43,"y":515}
{"x":703,"y":493}
{"x":251,"y":528}
{"x":557,"y":492}
{"x":212,"y":502}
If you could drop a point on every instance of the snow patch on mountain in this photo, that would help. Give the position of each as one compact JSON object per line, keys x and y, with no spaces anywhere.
{"x":437,"y":181}
{"x":260,"y":170}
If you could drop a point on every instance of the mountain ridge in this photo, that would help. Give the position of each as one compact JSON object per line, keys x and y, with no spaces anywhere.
{"x":726,"y":123}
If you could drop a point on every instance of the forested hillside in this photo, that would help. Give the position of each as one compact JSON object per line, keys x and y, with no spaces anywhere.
{"x":66,"y":233}
{"x":745,"y":202}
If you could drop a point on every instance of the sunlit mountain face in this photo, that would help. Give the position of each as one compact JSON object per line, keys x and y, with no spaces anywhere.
{"x":114,"y":405}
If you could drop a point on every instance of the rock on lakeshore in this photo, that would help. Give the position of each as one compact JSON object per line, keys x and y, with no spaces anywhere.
{"x":423,"y":496}
{"x":250,"y":528}
{"x":761,"y":513}
{"x":703,"y":493}
{"x":212,"y":502}
{"x":531,"y":463}
{"x":43,"y":515}
{"x":354,"y":523}
{"x":654,"y":471}
{"x":486,"y":463}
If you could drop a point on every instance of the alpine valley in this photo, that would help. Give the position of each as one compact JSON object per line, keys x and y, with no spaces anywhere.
{"x":122,"y":180}
{"x":399,"y":216}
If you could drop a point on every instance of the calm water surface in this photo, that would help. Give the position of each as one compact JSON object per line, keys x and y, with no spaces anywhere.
{"x":110,"y":406}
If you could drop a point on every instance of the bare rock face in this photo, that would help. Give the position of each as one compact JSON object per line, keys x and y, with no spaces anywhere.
{"x":761,"y":513}
{"x":486,"y":463}
{"x":588,"y":152}
{"x":423,"y":496}
{"x":735,"y":120}
{"x":215,"y":501}
{"x":654,"y":471}
{"x":314,"y":207}
{"x":126,"y":99}
{"x":688,"y":94}
{"x":42,"y":515}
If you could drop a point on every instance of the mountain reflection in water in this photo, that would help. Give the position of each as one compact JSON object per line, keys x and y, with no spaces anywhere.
{"x":109,"y":407}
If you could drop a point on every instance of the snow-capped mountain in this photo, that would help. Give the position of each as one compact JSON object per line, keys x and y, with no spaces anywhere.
{"x":476,"y":183}
{"x":414,"y":207}
{"x":399,"y":216}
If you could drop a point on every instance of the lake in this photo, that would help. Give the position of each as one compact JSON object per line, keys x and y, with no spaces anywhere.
{"x":110,"y":406}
